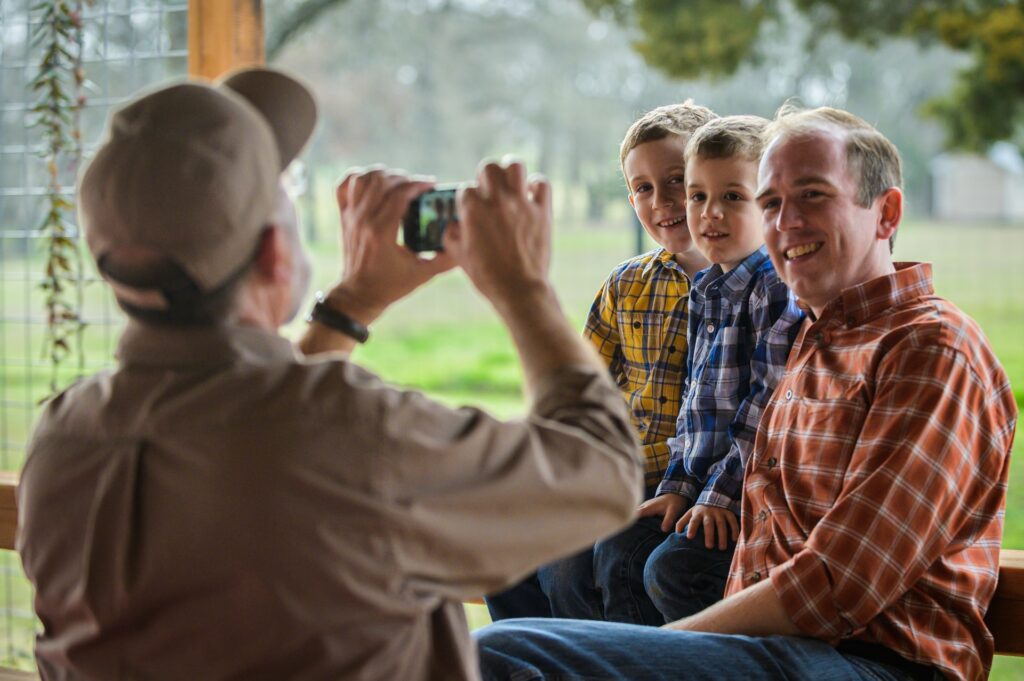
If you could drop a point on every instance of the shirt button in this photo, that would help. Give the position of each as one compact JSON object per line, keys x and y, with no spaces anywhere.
{"x":789,"y":394}
{"x":637,"y":325}
{"x":671,"y":349}
{"x":762,"y":516}
{"x":756,"y":577}
{"x":820,"y":337}
{"x":711,"y":328}
{"x":772,"y":461}
{"x":663,"y":399}
{"x":851,"y":321}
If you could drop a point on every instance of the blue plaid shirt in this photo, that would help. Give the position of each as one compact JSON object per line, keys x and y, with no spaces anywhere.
{"x":741,"y":326}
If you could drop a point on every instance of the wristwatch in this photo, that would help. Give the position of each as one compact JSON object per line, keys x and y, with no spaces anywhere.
{"x":322,"y":313}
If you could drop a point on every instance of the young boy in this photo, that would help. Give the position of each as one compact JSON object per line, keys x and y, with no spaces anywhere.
{"x":638,"y":324}
{"x":742,"y":322}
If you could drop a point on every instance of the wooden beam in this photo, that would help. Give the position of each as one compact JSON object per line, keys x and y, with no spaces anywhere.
{"x":1005,"y":617}
{"x":8,"y":509}
{"x":224,"y":35}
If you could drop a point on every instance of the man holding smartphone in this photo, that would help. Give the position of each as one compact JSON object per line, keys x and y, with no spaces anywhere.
{"x":219,"y":506}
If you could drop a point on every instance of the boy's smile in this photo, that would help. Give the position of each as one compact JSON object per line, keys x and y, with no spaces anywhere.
{"x":655,"y":173}
{"x":724,"y":220}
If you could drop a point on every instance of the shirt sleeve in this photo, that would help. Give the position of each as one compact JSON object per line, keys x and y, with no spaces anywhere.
{"x":480,"y":502}
{"x":925,"y":476}
{"x":775,"y":322}
{"x":602,"y":330}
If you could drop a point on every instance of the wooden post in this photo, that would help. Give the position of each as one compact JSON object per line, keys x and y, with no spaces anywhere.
{"x":224,"y":35}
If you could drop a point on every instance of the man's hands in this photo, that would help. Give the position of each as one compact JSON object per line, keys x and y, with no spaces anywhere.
{"x":718,"y":523}
{"x":377,"y":270}
{"x":503,"y":238}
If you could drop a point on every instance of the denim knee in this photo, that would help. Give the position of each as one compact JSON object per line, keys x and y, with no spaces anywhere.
{"x":682,"y":577}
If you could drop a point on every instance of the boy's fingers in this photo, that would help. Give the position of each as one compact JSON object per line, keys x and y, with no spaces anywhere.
{"x":515,"y":175}
{"x":723,"y":535}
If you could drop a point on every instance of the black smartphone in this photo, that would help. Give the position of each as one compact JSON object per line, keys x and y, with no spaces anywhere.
{"x":427,"y":217}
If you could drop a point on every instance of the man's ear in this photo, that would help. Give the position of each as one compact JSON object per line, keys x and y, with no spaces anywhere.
{"x":890,"y":213}
{"x":273,"y":257}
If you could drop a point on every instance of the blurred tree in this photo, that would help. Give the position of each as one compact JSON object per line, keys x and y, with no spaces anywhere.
{"x":714,"y":37}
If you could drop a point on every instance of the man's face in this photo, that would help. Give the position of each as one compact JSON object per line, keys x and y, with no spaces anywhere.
{"x":655,"y":173}
{"x":725,"y":223}
{"x":820,"y":240}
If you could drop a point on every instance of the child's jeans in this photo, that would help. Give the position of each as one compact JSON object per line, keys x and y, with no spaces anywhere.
{"x":604,"y":582}
{"x":682,"y":577}
{"x":638,"y":576}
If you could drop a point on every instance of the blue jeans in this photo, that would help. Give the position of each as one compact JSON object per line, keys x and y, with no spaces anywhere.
{"x":569,"y":650}
{"x":682,"y":577}
{"x":604,"y":582}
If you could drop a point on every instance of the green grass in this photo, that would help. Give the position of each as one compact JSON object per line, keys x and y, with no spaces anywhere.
{"x":446,"y":341}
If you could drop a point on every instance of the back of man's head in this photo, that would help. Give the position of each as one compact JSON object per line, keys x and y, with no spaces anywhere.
{"x":174,"y":203}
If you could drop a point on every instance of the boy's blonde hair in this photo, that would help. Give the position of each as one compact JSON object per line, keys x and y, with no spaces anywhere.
{"x":871,"y":159}
{"x":656,"y":124}
{"x":727,"y":137}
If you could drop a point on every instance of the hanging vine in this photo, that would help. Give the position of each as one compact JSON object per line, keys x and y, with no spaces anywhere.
{"x":59,"y":86}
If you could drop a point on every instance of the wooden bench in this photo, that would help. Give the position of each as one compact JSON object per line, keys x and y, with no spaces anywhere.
{"x":1005,"y":616}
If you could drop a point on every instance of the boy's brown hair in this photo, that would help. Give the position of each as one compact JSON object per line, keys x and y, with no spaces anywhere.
{"x":728,"y":137}
{"x":656,"y":124}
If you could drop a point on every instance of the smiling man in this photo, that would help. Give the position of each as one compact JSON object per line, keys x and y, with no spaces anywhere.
{"x":873,"y":497}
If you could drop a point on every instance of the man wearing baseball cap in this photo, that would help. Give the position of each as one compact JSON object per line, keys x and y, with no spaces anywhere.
{"x":220,"y":506}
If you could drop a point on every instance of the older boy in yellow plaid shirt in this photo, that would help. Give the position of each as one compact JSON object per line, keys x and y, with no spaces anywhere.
{"x":638,"y":324}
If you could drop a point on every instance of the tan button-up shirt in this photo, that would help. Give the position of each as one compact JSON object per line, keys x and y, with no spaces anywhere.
{"x":218,"y":508}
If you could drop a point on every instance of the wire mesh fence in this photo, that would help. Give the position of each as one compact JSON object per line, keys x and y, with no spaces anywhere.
{"x":126,"y":45}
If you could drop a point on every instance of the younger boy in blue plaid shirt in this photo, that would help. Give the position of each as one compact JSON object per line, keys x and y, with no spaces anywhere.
{"x":742,"y":322}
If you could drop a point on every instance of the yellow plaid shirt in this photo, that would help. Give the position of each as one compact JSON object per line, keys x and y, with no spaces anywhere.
{"x":638,"y":324}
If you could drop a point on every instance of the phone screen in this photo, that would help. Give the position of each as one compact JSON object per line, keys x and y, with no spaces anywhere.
{"x":428,"y":215}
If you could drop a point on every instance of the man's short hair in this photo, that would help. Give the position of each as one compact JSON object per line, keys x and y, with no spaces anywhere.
{"x":656,"y":124}
{"x":871,"y":158}
{"x":728,"y":137}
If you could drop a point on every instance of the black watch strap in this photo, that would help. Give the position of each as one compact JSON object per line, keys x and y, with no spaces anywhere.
{"x":339,"y":321}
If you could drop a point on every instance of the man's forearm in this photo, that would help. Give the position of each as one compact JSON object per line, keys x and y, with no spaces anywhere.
{"x":755,"y":611}
{"x":542,"y":335}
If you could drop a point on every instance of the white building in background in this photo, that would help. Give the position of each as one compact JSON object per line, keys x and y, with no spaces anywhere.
{"x":971,"y":187}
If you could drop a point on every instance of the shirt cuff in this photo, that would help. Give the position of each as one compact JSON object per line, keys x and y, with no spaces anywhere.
{"x":680,"y":487}
{"x":711,"y":498}
{"x":803,"y":586}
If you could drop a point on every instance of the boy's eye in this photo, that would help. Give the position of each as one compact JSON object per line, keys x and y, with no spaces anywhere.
{"x":697,"y":196}
{"x":733,"y":196}
{"x":640,"y":188}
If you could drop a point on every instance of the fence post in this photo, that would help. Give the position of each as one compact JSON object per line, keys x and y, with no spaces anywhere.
{"x":224,"y":35}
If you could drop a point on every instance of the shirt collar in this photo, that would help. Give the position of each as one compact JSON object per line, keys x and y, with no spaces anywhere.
{"x":199,"y":346}
{"x":661,"y":258}
{"x":862,"y":302}
{"x":733,"y":284}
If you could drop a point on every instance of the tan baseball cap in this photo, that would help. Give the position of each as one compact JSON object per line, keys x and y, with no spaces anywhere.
{"x":191,"y":171}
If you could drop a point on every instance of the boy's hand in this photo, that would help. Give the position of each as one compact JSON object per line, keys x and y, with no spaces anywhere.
{"x":715,"y":521}
{"x":669,"y":506}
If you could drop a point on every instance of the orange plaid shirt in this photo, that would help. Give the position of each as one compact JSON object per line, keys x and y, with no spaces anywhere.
{"x":874,"y":495}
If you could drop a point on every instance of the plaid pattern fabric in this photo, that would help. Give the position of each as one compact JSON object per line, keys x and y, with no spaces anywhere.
{"x":638,"y":324}
{"x":741,"y":327}
{"x":874,"y":494}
